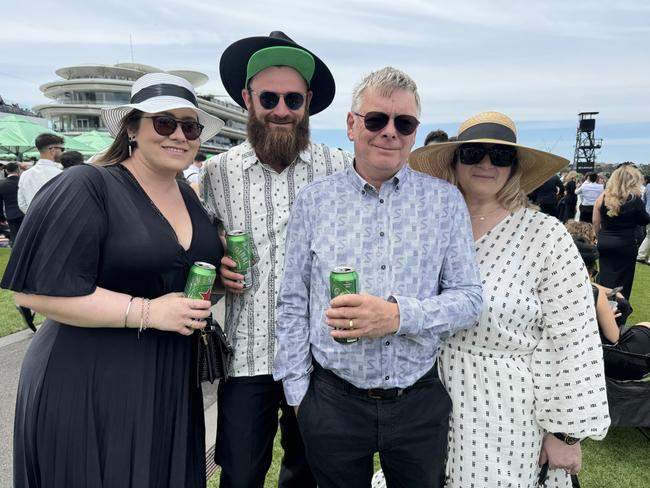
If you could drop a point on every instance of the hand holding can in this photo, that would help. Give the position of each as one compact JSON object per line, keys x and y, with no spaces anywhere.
{"x":344,"y":280}
{"x":239,"y":250}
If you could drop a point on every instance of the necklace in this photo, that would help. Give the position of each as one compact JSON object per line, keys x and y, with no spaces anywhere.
{"x":483,"y":216}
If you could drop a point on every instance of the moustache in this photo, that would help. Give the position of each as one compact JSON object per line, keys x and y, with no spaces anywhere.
{"x":281,"y":120}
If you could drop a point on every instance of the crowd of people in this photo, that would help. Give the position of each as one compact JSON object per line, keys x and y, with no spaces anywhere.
{"x":469,"y":355}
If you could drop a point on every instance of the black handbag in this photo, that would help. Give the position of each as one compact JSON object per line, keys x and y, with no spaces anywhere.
{"x":213,"y":354}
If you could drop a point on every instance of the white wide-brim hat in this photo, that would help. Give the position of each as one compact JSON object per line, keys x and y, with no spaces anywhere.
{"x":159,"y":92}
{"x":489,"y":128}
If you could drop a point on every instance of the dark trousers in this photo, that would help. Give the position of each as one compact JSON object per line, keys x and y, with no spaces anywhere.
{"x":246,"y":426}
{"x":586,"y":212}
{"x":14,"y":226}
{"x":343,"y":427}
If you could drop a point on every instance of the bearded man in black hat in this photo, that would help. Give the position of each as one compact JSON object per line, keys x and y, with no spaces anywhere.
{"x":252,"y":188}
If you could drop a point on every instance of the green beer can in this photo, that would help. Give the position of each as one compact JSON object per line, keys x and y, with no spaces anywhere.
{"x":239,"y":249}
{"x":344,"y":280}
{"x":200,"y":281}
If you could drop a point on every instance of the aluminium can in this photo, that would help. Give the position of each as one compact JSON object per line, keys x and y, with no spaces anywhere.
{"x":239,"y":249}
{"x":200,"y":281}
{"x":344,"y":280}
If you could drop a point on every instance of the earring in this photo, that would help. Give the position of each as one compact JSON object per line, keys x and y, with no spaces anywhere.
{"x":131,"y":145}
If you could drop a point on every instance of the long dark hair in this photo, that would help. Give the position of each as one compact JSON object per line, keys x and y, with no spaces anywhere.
{"x":119,"y":150}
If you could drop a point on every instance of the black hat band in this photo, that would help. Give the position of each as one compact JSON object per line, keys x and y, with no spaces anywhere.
{"x":164,"y":90}
{"x":488,"y":130}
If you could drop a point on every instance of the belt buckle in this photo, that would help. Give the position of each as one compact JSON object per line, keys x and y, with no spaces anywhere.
{"x":374,"y":394}
{"x":389,"y":394}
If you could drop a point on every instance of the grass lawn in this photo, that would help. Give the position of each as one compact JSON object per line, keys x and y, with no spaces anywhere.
{"x":10,"y":320}
{"x":622,"y":460}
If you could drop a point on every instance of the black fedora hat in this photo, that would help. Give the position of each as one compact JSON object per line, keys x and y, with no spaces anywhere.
{"x":234,"y":63}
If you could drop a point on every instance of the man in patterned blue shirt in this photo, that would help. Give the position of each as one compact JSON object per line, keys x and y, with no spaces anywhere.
{"x":408,"y":236}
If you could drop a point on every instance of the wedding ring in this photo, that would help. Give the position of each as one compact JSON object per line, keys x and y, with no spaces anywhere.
{"x":351,"y":324}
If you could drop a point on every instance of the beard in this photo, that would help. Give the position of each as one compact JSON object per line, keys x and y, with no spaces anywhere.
{"x":277,"y":146}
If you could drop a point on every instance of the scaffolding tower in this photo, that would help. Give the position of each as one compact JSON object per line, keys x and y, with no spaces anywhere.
{"x":584,"y":158}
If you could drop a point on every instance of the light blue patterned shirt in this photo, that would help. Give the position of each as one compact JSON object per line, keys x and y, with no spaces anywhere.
{"x":412,"y":240}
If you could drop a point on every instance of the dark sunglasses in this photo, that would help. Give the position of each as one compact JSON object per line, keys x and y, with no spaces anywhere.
{"x":376,"y":121}
{"x":501,"y":156}
{"x":165,"y":125}
{"x":58,"y":147}
{"x":270,"y":100}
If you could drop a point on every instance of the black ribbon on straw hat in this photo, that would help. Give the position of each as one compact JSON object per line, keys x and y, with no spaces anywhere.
{"x":234,"y":63}
{"x":489,"y":128}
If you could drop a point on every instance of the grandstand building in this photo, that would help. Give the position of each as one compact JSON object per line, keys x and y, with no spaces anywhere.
{"x":78,"y":97}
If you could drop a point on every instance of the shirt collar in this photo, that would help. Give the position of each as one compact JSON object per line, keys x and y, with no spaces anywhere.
{"x":46,"y":162}
{"x":249,"y":158}
{"x":362,"y":185}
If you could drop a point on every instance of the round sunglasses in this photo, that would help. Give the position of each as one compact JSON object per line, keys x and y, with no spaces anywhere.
{"x":269,"y":100}
{"x":376,"y":121}
{"x":166,"y":125}
{"x":501,"y":156}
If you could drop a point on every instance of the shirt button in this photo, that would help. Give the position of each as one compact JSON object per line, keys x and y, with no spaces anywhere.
{"x":383,"y":266}
{"x":388,"y":343}
{"x":381,"y":234}
{"x":363,"y":192}
{"x":381,"y":200}
{"x":386,"y":378}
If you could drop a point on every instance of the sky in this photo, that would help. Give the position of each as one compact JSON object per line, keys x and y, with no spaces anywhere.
{"x":541,"y":62}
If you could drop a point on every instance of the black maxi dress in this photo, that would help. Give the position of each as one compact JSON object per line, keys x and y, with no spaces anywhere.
{"x":617,"y":245}
{"x":567,"y":205}
{"x":104,"y":407}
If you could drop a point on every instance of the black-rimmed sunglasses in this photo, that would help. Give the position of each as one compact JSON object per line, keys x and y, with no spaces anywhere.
{"x":501,"y":156}
{"x":166,"y":125}
{"x":376,"y":121}
{"x":269,"y":100}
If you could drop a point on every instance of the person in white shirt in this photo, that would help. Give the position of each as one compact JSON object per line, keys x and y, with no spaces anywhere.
{"x":589,"y":191}
{"x":252,"y":187}
{"x":191,"y":174}
{"x":50,"y":147}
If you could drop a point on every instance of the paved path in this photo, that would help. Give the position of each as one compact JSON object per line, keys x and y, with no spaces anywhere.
{"x":12,"y":350}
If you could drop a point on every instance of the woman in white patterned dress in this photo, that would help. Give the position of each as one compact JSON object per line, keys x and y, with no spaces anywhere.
{"x":527,"y":383}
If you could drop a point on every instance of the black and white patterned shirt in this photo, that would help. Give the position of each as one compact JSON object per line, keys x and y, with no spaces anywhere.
{"x":241,"y":193}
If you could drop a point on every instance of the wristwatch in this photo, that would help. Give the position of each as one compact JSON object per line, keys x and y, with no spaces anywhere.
{"x":566,"y":438}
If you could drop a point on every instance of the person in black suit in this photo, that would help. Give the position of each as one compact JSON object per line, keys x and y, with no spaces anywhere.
{"x":9,"y":197}
{"x":10,"y":211}
{"x":547,"y":195}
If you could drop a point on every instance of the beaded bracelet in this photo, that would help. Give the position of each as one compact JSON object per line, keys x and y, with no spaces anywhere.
{"x":146,"y":314}
{"x":143,"y":326}
{"x":128,"y":309}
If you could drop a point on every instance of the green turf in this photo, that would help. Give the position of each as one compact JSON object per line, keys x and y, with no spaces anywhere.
{"x":10,"y":320}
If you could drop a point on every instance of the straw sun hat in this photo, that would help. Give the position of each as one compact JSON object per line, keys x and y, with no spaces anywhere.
{"x":159,"y":92}
{"x":489,"y":128}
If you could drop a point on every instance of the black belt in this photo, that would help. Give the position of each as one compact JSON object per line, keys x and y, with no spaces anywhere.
{"x":426,"y":381}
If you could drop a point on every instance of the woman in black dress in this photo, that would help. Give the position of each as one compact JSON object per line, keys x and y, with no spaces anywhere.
{"x":617,"y":213}
{"x":108,"y":394}
{"x":567,"y":204}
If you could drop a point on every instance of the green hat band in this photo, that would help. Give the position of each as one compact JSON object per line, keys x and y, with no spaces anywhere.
{"x":295,"y":58}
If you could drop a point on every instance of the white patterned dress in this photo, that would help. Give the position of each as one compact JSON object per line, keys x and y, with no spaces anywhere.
{"x":533,"y":363}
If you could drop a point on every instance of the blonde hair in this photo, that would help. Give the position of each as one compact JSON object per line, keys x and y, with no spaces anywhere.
{"x":625,"y":183}
{"x":570,"y":176}
{"x":511,"y":196}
